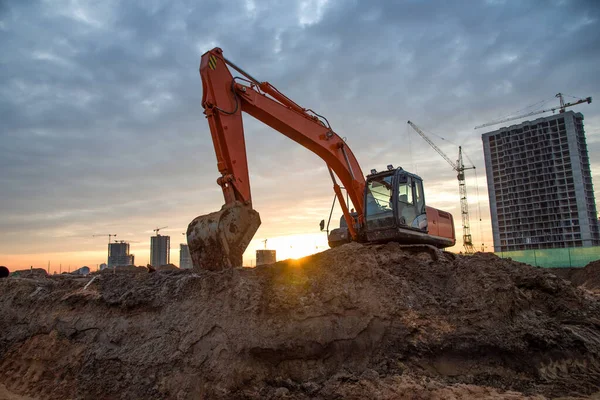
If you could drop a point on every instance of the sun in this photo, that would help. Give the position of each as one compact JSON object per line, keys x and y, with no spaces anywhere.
{"x":288,"y":246}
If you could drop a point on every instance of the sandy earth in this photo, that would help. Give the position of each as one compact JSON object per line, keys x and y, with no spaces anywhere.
{"x":357,"y":322}
{"x":587,"y":278}
{"x":5,"y":394}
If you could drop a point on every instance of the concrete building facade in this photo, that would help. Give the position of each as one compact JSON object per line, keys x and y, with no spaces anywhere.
{"x":185,"y":259}
{"x":160,"y":247}
{"x":118,"y":255}
{"x":540,"y":185}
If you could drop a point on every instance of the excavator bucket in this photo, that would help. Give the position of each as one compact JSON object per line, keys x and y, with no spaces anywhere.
{"x":218,"y":240}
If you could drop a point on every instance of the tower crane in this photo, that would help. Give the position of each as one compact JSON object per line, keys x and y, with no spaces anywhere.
{"x":158,"y":229}
{"x":561,"y":109}
{"x":460,"y":168}
{"x":105,"y":234}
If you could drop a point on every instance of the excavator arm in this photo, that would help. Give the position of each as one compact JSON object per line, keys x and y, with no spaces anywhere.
{"x":218,"y":240}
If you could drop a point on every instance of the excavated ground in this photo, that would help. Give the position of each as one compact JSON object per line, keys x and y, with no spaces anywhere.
{"x":588,"y":277}
{"x":353,"y":322}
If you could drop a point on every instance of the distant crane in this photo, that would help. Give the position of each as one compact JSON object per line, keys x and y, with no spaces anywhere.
{"x":105,"y":234}
{"x":265,"y":242}
{"x":125,"y":241}
{"x":460,"y":168}
{"x":562,"y":107}
{"x":158,"y":229}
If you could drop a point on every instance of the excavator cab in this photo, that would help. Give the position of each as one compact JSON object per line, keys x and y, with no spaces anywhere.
{"x":394,"y":206}
{"x":395,"y":210}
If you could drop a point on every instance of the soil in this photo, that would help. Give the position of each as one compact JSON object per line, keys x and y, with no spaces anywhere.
{"x":30,"y":273}
{"x":5,"y":394}
{"x":357,"y":322}
{"x":120,"y":269}
{"x":587,"y":277}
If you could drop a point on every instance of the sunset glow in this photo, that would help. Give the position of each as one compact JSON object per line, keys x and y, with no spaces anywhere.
{"x":103,"y":130}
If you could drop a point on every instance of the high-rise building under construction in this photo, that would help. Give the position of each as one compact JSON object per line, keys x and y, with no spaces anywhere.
{"x":266,"y":257}
{"x":160,"y":247}
{"x":185,"y":259}
{"x":540,"y":185}
{"x":118,"y":254}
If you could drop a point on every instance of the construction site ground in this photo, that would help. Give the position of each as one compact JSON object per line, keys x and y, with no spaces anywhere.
{"x":354,"y":322}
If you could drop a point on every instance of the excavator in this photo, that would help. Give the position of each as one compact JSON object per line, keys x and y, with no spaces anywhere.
{"x":388,"y":205}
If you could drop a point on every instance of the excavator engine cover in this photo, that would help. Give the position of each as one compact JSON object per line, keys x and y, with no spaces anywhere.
{"x":218,"y":240}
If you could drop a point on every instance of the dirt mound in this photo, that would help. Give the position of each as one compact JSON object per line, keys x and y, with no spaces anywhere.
{"x":30,"y":273}
{"x":167,"y":267}
{"x":587,"y":277}
{"x":352,"y":322}
{"x":121,"y":269}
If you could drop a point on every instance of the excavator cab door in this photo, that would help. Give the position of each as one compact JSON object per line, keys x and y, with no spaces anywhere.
{"x":410,"y":202}
{"x":380,"y":199}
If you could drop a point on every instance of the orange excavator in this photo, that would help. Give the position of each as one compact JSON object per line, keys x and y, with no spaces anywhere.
{"x":388,"y":205}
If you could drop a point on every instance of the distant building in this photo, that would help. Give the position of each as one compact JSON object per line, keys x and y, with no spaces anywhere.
{"x":160,"y":247}
{"x":81,"y":271}
{"x":103,"y":266}
{"x":185,"y":259}
{"x":118,"y":254}
{"x":540,"y":185}
{"x":266,"y":257}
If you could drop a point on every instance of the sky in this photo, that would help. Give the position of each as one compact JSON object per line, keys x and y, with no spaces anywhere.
{"x":102,"y":131}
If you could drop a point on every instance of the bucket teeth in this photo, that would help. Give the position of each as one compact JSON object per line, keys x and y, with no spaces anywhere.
{"x":218,"y":240}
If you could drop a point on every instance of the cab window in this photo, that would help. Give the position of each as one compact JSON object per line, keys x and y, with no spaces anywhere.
{"x":405,"y":193}
{"x":379,"y":196}
{"x":419,"y":196}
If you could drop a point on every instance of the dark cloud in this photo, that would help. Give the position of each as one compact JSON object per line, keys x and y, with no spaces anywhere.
{"x":102,"y":125}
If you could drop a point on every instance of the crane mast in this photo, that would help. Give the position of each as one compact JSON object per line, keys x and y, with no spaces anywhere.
{"x":460,"y":168}
{"x":464,"y":204}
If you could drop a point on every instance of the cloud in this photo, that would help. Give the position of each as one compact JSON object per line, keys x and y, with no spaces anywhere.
{"x":102,"y":126}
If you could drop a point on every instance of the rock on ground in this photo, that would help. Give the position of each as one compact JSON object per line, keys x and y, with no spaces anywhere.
{"x":358,"y":322}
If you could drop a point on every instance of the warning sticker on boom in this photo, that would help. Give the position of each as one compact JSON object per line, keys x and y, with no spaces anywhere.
{"x":212,"y":62}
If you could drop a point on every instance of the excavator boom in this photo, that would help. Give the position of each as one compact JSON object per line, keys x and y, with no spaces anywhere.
{"x":392,"y":207}
{"x":218,"y":239}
